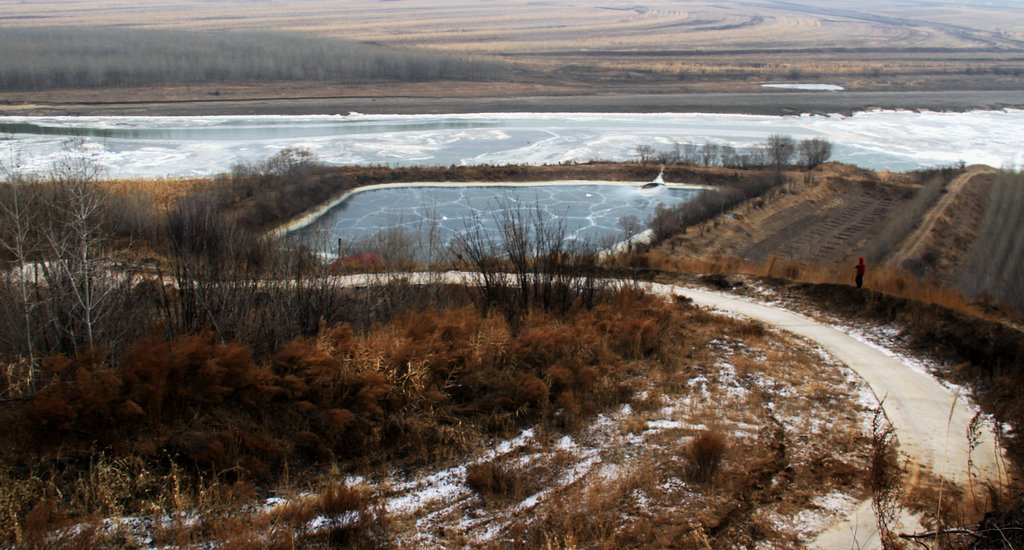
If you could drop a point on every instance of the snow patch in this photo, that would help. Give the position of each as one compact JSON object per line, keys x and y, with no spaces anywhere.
{"x":806,"y":87}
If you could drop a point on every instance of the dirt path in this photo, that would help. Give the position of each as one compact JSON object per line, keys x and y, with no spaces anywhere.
{"x":930,"y":420}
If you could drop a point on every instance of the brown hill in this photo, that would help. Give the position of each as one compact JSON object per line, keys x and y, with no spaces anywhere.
{"x":940,"y":243}
{"x":927,"y":225}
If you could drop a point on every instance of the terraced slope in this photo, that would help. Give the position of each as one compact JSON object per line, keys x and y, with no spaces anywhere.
{"x":823,"y":223}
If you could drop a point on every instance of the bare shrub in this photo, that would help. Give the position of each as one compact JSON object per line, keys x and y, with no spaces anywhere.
{"x":706,"y":450}
{"x":495,"y":481}
{"x":547,"y":270}
{"x":345,"y":517}
{"x":667,"y":222}
{"x":886,"y":478}
{"x":791,"y":270}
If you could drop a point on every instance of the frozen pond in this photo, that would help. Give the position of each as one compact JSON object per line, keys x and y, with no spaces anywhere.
{"x":590,"y":211}
{"x":188,"y":146}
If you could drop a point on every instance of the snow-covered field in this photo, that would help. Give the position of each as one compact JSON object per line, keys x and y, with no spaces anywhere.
{"x":190,"y":146}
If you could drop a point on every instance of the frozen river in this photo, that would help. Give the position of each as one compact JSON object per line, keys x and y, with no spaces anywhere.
{"x":191,"y":146}
{"x":197,"y":146}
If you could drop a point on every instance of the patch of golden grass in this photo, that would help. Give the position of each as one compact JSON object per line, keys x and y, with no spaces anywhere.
{"x":884,"y":279}
{"x":161,"y":193}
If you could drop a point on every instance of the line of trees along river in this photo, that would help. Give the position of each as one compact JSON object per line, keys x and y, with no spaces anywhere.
{"x":74,"y":57}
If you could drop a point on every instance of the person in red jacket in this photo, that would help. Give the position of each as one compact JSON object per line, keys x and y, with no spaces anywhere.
{"x":860,"y":273}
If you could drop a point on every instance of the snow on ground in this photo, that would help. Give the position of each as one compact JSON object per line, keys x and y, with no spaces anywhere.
{"x":441,"y":505}
{"x":806,"y":87}
{"x":740,"y":391}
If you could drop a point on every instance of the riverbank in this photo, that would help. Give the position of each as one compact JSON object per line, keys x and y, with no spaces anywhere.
{"x":471,"y":99}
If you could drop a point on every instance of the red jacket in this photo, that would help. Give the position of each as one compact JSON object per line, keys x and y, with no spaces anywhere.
{"x":861,"y":267}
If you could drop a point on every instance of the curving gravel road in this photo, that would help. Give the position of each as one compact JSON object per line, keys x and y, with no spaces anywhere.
{"x":930,"y":421}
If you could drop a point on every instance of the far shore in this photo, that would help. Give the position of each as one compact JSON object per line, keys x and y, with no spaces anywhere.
{"x":767,"y":102}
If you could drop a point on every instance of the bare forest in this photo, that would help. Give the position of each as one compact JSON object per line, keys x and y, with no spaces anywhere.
{"x":101,"y":57}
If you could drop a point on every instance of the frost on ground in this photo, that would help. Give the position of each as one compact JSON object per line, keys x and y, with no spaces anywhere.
{"x":793,"y":420}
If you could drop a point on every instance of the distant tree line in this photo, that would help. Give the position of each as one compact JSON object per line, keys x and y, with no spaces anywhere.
{"x":777,"y":152}
{"x":76,"y":57}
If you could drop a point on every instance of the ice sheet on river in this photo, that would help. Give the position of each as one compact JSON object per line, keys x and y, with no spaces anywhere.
{"x":188,"y":146}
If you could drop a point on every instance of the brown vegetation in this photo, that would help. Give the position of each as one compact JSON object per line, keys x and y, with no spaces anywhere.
{"x":232,"y":363}
{"x":706,"y":452}
{"x":92,"y":57}
{"x":920,"y":241}
{"x":575,"y":48}
{"x":392,"y":394}
{"x":647,"y":490}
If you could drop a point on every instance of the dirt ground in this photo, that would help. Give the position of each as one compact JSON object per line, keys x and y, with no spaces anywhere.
{"x":941,"y":241}
{"x":443,"y":98}
{"x":822,"y":220}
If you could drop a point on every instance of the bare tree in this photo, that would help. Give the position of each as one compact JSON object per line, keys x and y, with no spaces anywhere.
{"x":85,"y":283}
{"x":814,"y":152}
{"x":645,"y":153}
{"x":631,"y":226}
{"x":291,"y":162}
{"x":18,"y":208}
{"x":727,"y":156}
{"x":690,"y":153}
{"x":709,"y":153}
{"x":780,"y":150}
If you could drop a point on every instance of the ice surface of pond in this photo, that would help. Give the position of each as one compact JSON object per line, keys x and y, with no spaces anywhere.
{"x":191,"y":146}
{"x":590,"y":211}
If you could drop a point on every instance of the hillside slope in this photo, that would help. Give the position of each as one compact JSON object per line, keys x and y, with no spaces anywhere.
{"x":824,"y":220}
{"x":939,"y":245}
{"x":928,"y":225}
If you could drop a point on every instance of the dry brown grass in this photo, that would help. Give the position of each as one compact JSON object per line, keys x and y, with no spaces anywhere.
{"x":884,"y":279}
{"x":709,"y":371}
{"x":646,"y":494}
{"x":707,"y":451}
{"x":161,"y":193}
{"x":425,"y":387}
{"x":737,"y":44}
